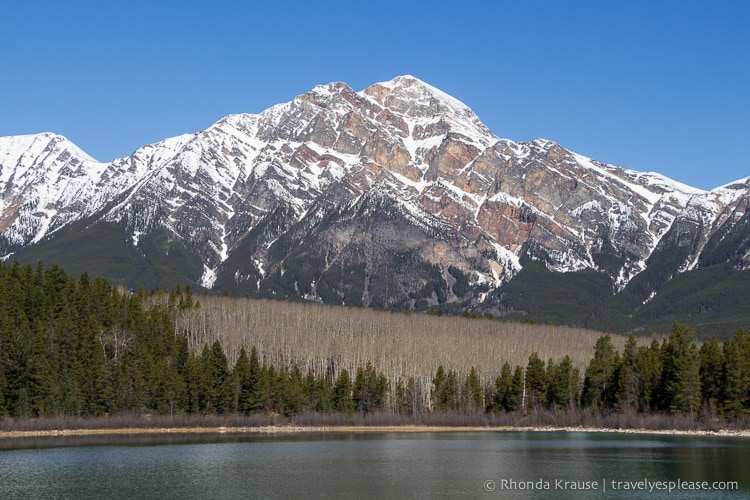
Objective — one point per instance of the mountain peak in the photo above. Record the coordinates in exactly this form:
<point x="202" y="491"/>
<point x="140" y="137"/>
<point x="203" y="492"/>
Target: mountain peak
<point x="330" y="89"/>
<point x="331" y="194"/>
<point x="412" y="84"/>
<point x="23" y="151"/>
<point x="409" y="92"/>
<point x="421" y="103"/>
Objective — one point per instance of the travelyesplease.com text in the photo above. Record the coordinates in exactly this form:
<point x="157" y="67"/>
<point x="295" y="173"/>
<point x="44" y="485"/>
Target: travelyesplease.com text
<point x="604" y="485"/>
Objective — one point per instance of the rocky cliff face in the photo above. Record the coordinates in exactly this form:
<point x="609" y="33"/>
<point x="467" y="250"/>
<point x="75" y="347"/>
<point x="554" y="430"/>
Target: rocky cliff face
<point x="395" y="196"/>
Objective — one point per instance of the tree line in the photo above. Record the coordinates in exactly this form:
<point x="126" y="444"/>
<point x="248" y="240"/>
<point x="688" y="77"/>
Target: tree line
<point x="676" y="376"/>
<point x="81" y="347"/>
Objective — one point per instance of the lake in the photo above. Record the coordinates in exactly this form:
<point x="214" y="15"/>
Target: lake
<point x="381" y="465"/>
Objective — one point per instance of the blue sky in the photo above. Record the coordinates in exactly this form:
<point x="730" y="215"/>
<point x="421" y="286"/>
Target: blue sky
<point x="650" y="85"/>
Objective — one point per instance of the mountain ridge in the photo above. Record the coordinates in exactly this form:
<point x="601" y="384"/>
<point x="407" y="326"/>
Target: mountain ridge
<point x="315" y="198"/>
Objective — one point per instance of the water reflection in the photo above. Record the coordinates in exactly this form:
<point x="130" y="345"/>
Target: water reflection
<point x="448" y="464"/>
<point x="37" y="442"/>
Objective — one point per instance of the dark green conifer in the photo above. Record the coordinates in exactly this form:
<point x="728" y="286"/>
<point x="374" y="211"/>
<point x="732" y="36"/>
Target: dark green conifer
<point x="536" y="383"/>
<point x="342" y="393"/>
<point x="597" y="383"/>
<point x="711" y="368"/>
<point x="472" y="394"/>
<point x="681" y="383"/>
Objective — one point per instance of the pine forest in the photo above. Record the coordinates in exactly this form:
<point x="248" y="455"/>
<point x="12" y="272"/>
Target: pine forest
<point x="80" y="347"/>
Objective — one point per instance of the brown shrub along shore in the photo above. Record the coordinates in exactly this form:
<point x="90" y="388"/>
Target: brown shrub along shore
<point x="574" y="421"/>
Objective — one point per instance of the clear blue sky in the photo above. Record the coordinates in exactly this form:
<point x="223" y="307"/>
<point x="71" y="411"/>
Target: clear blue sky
<point x="650" y="85"/>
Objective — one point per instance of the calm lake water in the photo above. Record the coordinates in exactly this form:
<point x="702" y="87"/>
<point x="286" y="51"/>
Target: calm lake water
<point x="387" y="465"/>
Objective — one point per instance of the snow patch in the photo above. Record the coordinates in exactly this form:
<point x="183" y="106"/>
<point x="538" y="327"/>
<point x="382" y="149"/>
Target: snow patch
<point x="208" y="278"/>
<point x="259" y="265"/>
<point x="508" y="260"/>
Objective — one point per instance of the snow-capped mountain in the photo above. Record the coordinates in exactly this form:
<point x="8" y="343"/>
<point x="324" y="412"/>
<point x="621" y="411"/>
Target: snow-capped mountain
<point x="395" y="196"/>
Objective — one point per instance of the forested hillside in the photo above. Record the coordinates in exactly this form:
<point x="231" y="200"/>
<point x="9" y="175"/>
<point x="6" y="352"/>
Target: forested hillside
<point x="81" y="347"/>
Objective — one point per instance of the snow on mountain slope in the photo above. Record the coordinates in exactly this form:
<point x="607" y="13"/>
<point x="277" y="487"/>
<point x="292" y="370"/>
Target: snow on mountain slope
<point x="495" y="201"/>
<point x="46" y="181"/>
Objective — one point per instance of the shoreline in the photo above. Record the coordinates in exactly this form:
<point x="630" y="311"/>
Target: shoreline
<point x="349" y="429"/>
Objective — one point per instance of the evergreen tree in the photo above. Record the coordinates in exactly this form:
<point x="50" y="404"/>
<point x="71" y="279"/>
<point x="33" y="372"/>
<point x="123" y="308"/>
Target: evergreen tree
<point x="440" y="400"/>
<point x="204" y="382"/>
<point x="536" y="383"/>
<point x="295" y="400"/>
<point x="279" y="389"/>
<point x="563" y="380"/>
<point x="517" y="390"/>
<point x="362" y="390"/>
<point x="649" y="368"/>
<point x="408" y="400"/>
<point x="452" y="394"/>
<point x="264" y="394"/>
<point x="380" y="391"/>
<point x="502" y="392"/>
<point x="554" y="386"/>
<point x="472" y="394"/>
<point x="194" y="381"/>
<point x="711" y="369"/>
<point x="369" y="389"/>
<point x="628" y="375"/>
<point x="318" y="392"/>
<point x="221" y="390"/>
<point x="241" y="382"/>
<point x="89" y="369"/>
<point x="342" y="393"/>
<point x="255" y="394"/>
<point x="598" y="378"/>
<point x="681" y="374"/>
<point x="32" y="372"/>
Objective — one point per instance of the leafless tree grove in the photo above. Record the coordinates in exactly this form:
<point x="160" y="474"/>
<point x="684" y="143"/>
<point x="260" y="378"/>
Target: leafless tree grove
<point x="327" y="339"/>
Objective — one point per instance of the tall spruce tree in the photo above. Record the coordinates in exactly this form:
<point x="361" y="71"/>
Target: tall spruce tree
<point x="649" y="368"/>
<point x="472" y="394"/>
<point x="711" y="369"/>
<point x="536" y="383"/>
<point x="295" y="398"/>
<point x="629" y="377"/>
<point x="342" y="393"/>
<point x="563" y="380"/>
<point x="241" y="382"/>
<point x="597" y="383"/>
<point x="681" y="373"/>
<point x="440" y="400"/>
<point x="501" y="393"/>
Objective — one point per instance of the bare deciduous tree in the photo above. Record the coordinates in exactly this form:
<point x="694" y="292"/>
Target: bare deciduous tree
<point x="325" y="340"/>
